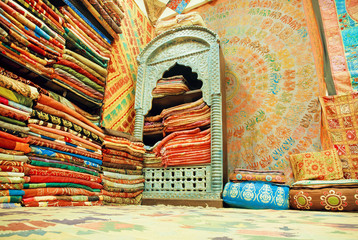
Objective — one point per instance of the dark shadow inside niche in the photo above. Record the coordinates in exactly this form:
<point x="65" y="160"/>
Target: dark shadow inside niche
<point x="190" y="76"/>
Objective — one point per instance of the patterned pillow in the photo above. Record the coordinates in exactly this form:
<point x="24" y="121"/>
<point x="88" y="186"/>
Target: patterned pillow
<point x="324" y="165"/>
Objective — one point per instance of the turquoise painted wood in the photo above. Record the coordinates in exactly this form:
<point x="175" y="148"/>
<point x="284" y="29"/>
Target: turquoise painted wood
<point x="198" y="48"/>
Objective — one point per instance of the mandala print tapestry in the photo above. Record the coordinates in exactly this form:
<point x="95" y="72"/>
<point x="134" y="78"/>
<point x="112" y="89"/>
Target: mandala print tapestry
<point x="340" y="21"/>
<point x="118" y="109"/>
<point x="272" y="85"/>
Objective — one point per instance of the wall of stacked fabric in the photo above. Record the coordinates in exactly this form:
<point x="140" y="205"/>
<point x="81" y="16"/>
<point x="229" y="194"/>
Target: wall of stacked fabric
<point x="185" y="127"/>
<point x="122" y="177"/>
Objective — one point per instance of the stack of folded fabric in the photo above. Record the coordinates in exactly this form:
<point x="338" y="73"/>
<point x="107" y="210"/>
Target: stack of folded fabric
<point x="65" y="153"/>
<point x="16" y="99"/>
<point x="111" y="11"/>
<point x="151" y="160"/>
<point x="82" y="67"/>
<point x="122" y="178"/>
<point x="186" y="116"/>
<point x="170" y="86"/>
<point x="153" y="125"/>
<point x="257" y="189"/>
<point x="31" y="34"/>
<point x="189" y="147"/>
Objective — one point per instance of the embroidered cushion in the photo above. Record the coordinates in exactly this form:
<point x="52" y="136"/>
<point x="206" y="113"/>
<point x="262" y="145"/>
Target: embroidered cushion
<point x="251" y="194"/>
<point x="333" y="195"/>
<point x="324" y="165"/>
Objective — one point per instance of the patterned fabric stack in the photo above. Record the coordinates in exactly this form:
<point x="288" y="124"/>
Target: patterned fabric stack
<point x="65" y="153"/>
<point x="153" y="125"/>
<point x="170" y="86"/>
<point x="122" y="178"/>
<point x="31" y="33"/>
<point x="82" y="67"/>
<point x="256" y="189"/>
<point x="111" y="11"/>
<point x="190" y="147"/>
<point x="16" y="100"/>
<point x="186" y="116"/>
<point x="150" y="159"/>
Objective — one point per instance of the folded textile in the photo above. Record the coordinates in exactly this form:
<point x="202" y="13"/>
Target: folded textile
<point x="57" y="184"/>
<point x="4" y="186"/>
<point x="120" y="194"/>
<point x="14" y="127"/>
<point x="55" y="179"/>
<point x="15" y="105"/>
<point x="122" y="166"/>
<point x="10" y="199"/>
<point x="12" y="180"/>
<point x="12" y="174"/>
<point x="11" y="192"/>
<point x="64" y="191"/>
<point x="14" y="145"/>
<point x="170" y="86"/>
<point x="123" y="181"/>
<point x="9" y="157"/>
<point x="74" y="198"/>
<point x="122" y="176"/>
<point x="15" y="97"/>
<point x="14" y="113"/>
<point x="10" y="205"/>
<point x="119" y="154"/>
<point x="19" y="87"/>
<point x="122" y="171"/>
<point x="12" y="152"/>
<point x="51" y="171"/>
<point x="115" y="133"/>
<point x="42" y="162"/>
<point x="105" y="16"/>
<point x="61" y="203"/>
<point x="275" y="176"/>
<point x="120" y="200"/>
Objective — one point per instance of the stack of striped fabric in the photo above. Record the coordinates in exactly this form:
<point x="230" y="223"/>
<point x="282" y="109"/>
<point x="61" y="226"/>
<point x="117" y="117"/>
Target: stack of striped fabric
<point x="65" y="154"/>
<point x="186" y="116"/>
<point x="150" y="159"/>
<point x="31" y="33"/>
<point x="153" y="125"/>
<point x="122" y="178"/>
<point x="16" y="100"/>
<point x="189" y="147"/>
<point x="170" y="86"/>
<point x="83" y="66"/>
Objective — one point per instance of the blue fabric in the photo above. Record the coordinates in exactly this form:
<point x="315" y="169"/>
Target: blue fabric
<point x="16" y="192"/>
<point x="258" y="195"/>
<point x="86" y="20"/>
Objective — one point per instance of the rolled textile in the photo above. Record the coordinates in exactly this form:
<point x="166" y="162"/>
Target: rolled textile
<point x="57" y="191"/>
<point x="62" y="203"/>
<point x="58" y="184"/>
<point x="55" y="179"/>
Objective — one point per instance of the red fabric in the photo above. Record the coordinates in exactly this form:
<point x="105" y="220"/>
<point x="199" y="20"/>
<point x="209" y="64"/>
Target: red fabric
<point x="14" y="145"/>
<point x="13" y="114"/>
<point x="120" y="154"/>
<point x="50" y="171"/>
<point x="48" y="179"/>
<point x="123" y="181"/>
<point x="54" y="191"/>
